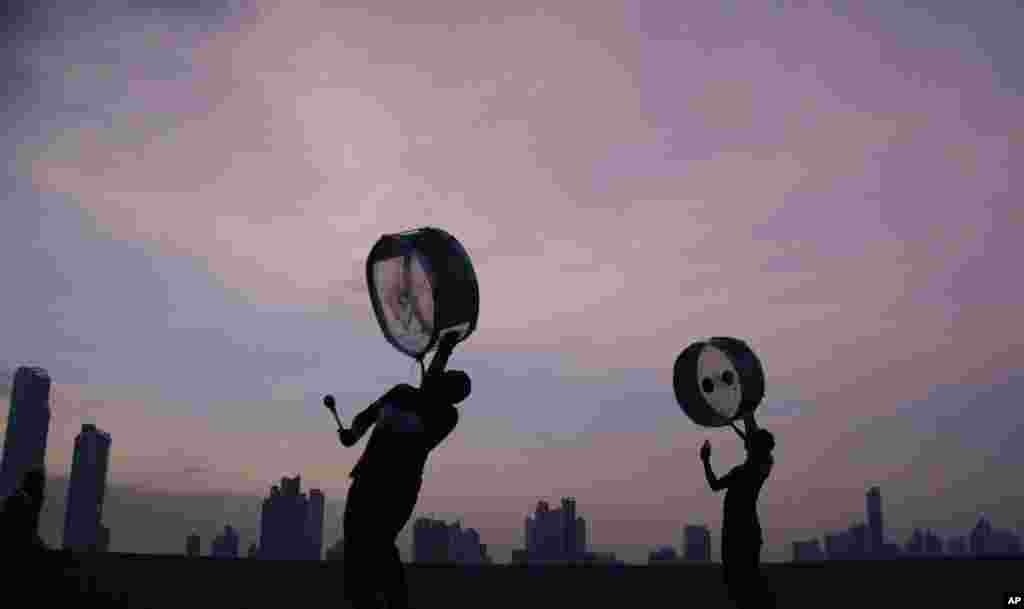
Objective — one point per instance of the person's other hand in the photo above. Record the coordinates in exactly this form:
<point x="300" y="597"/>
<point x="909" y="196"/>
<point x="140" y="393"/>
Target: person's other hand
<point x="705" y="451"/>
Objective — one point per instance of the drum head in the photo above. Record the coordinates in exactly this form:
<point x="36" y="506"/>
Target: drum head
<point x="406" y="296"/>
<point x="718" y="381"/>
<point x="422" y="285"/>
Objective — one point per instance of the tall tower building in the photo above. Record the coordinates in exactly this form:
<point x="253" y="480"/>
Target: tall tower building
<point x="530" y="538"/>
<point x="192" y="545"/>
<point x="697" y="543"/>
<point x="103" y="538"/>
<point x="568" y="528"/>
<point x="875" y="523"/>
<point x="86" y="489"/>
<point x="431" y="541"/>
<point x="315" y="524"/>
<point x="28" y="424"/>
<point x="859" y="540"/>
<point x="980" y="537"/>
<point x="287" y="522"/>
<point x="269" y="527"/>
<point x="226" y="544"/>
<point x="581" y="537"/>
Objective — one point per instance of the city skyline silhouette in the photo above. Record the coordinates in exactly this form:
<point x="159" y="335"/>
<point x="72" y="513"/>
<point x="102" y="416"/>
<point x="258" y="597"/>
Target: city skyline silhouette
<point x="277" y="539"/>
<point x="194" y="191"/>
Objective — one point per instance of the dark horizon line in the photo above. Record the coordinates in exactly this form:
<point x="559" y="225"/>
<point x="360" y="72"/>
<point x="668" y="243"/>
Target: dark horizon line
<point x="552" y="563"/>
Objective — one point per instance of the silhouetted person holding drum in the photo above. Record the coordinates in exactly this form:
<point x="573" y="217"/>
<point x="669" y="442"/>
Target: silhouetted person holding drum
<point x="741" y="529"/>
<point x="408" y="424"/>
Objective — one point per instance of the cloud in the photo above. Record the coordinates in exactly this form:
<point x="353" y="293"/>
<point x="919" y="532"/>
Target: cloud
<point x="842" y="196"/>
<point x="296" y="146"/>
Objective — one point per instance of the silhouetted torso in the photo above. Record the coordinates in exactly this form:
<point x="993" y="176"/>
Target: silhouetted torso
<point x="407" y="429"/>
<point x="745" y="485"/>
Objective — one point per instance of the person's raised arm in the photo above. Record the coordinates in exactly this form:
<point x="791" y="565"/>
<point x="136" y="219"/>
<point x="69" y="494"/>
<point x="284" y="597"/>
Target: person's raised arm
<point x="360" y="424"/>
<point x="714" y="482"/>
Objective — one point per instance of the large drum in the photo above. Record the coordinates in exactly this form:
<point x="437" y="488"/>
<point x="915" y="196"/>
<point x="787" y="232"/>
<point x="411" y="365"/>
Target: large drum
<point x="718" y="381"/>
<point x="422" y="285"/>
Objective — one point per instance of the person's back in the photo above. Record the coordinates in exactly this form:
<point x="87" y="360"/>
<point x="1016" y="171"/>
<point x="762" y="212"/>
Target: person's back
<point x="409" y="426"/>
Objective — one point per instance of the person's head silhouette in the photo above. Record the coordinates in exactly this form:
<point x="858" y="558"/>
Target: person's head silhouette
<point x="455" y="386"/>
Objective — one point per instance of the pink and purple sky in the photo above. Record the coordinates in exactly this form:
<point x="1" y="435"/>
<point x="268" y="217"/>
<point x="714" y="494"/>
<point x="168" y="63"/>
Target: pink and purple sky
<point x="192" y="197"/>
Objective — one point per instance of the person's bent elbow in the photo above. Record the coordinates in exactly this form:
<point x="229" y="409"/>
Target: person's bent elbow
<point x="347" y="437"/>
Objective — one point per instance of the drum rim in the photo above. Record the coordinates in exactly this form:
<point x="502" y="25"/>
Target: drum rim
<point x="750" y="401"/>
<point x="397" y="241"/>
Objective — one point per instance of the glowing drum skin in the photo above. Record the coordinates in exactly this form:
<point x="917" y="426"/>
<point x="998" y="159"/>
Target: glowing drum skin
<point x="718" y="381"/>
<point x="422" y="285"/>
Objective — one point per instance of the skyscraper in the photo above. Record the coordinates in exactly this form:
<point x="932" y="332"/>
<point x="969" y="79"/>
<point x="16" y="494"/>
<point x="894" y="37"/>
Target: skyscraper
<point x="1003" y="542"/>
<point x="192" y="546"/>
<point x="697" y="543"/>
<point x="663" y="554"/>
<point x="956" y="546"/>
<point x="435" y="541"/>
<point x="932" y="543"/>
<point x="86" y="489"/>
<point x="838" y="546"/>
<point x="430" y="540"/>
<point x="28" y="424"/>
<point x="581" y="536"/>
<point x="859" y="541"/>
<point x="915" y="545"/>
<point x="556" y="535"/>
<point x="980" y="536"/>
<point x="569" y="527"/>
<point x="286" y="521"/>
<point x="875" y="522"/>
<point x="315" y="524"/>
<point x="103" y="539"/>
<point x="225" y="545"/>
<point x="807" y="551"/>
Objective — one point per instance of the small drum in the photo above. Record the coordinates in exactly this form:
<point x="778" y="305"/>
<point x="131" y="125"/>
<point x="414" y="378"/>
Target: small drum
<point x="718" y="381"/>
<point x="422" y="285"/>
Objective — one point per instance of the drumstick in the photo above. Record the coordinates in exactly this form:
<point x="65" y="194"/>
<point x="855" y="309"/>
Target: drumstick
<point x="329" y="403"/>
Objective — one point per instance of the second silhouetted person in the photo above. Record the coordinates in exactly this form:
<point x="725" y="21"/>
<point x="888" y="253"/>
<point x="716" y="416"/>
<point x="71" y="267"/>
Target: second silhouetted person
<point x="741" y="528"/>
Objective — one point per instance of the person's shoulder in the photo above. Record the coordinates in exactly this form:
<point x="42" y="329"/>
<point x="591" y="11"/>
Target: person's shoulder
<point x="401" y="392"/>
